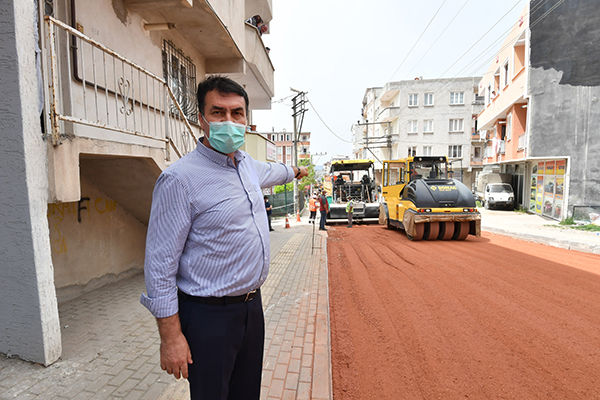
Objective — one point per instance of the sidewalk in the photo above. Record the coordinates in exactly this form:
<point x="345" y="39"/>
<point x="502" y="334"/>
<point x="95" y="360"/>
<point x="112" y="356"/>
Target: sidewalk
<point x="535" y="228"/>
<point x="111" y="344"/>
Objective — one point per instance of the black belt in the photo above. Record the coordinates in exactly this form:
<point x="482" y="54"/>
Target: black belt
<point x="220" y="301"/>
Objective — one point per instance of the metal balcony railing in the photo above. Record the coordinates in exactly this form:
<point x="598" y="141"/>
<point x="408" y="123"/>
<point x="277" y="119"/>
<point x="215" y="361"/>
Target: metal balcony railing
<point x="108" y="91"/>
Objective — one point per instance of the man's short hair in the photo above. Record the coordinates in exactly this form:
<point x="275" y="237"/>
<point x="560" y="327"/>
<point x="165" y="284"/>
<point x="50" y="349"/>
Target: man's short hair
<point x="221" y="84"/>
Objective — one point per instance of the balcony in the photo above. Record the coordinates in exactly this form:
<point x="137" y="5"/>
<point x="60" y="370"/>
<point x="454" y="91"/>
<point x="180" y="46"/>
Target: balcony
<point x="110" y="120"/>
<point x="479" y="100"/>
<point x="258" y="71"/>
<point x="389" y="114"/>
<point x="264" y="8"/>
<point x="211" y="29"/>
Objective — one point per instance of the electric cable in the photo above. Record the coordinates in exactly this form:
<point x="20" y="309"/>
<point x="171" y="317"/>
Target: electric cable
<point x="440" y="35"/>
<point x="327" y="126"/>
<point x="414" y="45"/>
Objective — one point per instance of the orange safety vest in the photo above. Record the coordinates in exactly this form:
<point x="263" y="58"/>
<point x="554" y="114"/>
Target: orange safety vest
<point x="312" y="205"/>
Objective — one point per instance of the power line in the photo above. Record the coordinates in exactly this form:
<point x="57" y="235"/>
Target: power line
<point x="414" y="45"/>
<point x="489" y="30"/>
<point x="327" y="126"/>
<point x="440" y="35"/>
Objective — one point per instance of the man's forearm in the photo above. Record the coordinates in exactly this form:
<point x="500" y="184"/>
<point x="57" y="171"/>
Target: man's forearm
<point x="169" y="326"/>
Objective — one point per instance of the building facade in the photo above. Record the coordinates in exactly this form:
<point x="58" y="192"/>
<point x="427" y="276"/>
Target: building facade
<point x="285" y="146"/>
<point x="98" y="98"/>
<point x="420" y="117"/>
<point x="541" y="121"/>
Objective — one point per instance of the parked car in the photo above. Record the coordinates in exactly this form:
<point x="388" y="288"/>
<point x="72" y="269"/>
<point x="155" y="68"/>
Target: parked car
<point x="499" y="195"/>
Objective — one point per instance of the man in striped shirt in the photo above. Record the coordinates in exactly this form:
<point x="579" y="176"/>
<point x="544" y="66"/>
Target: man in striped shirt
<point x="207" y="252"/>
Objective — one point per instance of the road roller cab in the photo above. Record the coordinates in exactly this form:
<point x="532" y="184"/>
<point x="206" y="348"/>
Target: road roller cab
<point x="420" y="199"/>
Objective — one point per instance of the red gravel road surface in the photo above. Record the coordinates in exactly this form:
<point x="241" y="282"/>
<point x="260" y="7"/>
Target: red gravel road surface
<point x="485" y="318"/>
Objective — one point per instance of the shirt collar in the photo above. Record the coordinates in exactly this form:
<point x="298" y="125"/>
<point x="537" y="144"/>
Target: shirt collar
<point x="215" y="156"/>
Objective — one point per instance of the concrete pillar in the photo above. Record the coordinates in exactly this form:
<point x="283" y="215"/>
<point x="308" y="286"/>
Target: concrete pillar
<point x="29" y="324"/>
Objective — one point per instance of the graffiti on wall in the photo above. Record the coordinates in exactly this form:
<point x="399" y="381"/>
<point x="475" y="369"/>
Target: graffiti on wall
<point x="81" y="211"/>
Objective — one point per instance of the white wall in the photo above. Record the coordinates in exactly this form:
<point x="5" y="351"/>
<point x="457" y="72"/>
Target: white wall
<point x="105" y="245"/>
<point x="29" y="325"/>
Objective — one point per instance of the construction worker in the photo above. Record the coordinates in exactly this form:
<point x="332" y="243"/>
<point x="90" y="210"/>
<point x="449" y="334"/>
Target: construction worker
<point x="313" y="206"/>
<point x="350" y="210"/>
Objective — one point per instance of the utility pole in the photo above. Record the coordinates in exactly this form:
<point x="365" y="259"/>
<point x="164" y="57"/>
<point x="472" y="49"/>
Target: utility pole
<point x="298" y="109"/>
<point x="314" y="163"/>
<point x="376" y="140"/>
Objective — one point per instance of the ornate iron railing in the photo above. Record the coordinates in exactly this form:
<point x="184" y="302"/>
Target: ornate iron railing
<point x="108" y="91"/>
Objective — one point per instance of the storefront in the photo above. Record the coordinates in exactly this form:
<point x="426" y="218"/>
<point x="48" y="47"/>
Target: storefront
<point x="547" y="190"/>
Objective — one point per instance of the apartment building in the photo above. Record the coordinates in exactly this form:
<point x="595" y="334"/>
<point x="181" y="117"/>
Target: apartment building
<point x="98" y="97"/>
<point x="420" y="117"/>
<point x="541" y="120"/>
<point x="284" y="142"/>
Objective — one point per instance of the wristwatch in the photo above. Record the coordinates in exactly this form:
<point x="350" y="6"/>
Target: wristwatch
<point x="298" y="173"/>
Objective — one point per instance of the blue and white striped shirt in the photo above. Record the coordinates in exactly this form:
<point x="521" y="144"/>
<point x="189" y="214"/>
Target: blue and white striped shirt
<point x="208" y="233"/>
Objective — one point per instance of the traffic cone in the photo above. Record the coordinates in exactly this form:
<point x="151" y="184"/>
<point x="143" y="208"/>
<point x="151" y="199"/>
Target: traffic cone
<point x="298" y="217"/>
<point x="287" y="223"/>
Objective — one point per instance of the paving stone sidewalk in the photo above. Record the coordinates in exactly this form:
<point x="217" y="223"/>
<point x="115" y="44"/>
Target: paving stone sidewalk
<point x="111" y="344"/>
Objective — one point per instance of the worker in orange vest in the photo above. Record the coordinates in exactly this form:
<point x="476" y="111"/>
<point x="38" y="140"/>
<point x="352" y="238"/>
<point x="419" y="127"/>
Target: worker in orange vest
<point x="313" y="206"/>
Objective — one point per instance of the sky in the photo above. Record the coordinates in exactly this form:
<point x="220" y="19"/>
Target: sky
<point x="335" y="49"/>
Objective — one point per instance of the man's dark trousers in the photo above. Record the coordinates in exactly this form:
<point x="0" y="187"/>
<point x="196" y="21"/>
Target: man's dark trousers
<point x="323" y="219"/>
<point x="227" y="343"/>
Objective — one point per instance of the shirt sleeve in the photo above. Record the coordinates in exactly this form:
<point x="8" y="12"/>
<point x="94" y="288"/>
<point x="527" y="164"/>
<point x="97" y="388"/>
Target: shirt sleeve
<point x="168" y="229"/>
<point x="272" y="174"/>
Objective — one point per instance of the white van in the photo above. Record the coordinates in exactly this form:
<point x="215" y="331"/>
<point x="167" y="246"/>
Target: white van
<point x="499" y="195"/>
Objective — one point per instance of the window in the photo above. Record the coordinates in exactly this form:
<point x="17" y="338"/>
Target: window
<point x="457" y="98"/>
<point x="508" y="127"/>
<point x="456" y="125"/>
<point x="281" y="138"/>
<point x="428" y="99"/>
<point x="519" y="58"/>
<point x="412" y="151"/>
<point x="279" y="150"/>
<point x="413" y="126"/>
<point x="413" y="100"/>
<point x="489" y="96"/>
<point x="505" y="73"/>
<point x="427" y="150"/>
<point x="497" y="81"/>
<point x="288" y="137"/>
<point x="288" y="151"/>
<point x="428" y="126"/>
<point x="180" y="74"/>
<point x="477" y="153"/>
<point x="455" y="151"/>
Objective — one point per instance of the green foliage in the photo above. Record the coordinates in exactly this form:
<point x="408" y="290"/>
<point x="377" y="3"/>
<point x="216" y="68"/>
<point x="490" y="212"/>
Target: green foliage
<point x="304" y="182"/>
<point x="282" y="188"/>
<point x="568" y="221"/>
<point x="588" y="227"/>
<point x="310" y="179"/>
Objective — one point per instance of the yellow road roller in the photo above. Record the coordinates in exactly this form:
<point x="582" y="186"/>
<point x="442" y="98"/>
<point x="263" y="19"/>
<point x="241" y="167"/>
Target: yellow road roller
<point x="421" y="199"/>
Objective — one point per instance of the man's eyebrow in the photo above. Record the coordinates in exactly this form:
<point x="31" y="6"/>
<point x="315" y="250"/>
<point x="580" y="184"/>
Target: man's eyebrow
<point x="218" y="108"/>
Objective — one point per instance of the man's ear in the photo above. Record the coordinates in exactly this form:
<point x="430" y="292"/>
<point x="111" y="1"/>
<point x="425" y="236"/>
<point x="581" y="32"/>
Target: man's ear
<point x="203" y="125"/>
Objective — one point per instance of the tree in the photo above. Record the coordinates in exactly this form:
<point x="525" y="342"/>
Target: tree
<point x="281" y="188"/>
<point x="304" y="182"/>
<point x="310" y="179"/>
